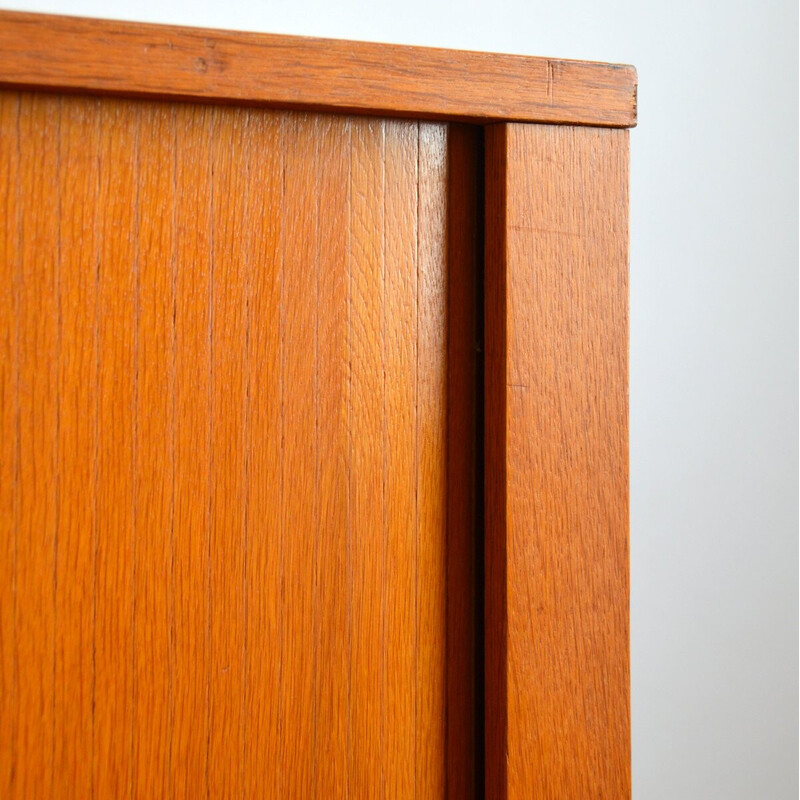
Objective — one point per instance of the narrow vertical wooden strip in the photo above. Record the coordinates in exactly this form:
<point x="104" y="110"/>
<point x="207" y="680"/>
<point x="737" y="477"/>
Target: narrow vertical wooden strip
<point x="432" y="466"/>
<point x="10" y="276"/>
<point x="264" y="153"/>
<point x="331" y="677"/>
<point x="562" y="193"/>
<point x="229" y="410"/>
<point x="366" y="458"/>
<point x="154" y="459"/>
<point x="301" y="169"/>
<point x="117" y="307"/>
<point x="38" y="372"/>
<point x="464" y="227"/>
<point x="78" y="191"/>
<point x="192" y="364"/>
<point x="495" y="347"/>
<point x="399" y="357"/>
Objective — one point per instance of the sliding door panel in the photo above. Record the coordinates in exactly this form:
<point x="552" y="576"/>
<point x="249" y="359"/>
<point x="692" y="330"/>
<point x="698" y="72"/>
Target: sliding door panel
<point x="225" y="437"/>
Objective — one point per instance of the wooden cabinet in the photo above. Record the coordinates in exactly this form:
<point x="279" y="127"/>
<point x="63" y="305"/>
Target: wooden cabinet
<point x="313" y="395"/>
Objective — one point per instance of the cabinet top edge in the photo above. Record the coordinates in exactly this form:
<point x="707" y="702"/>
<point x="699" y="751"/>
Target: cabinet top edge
<point x="78" y="54"/>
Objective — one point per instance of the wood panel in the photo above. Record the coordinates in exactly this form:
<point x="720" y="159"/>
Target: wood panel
<point x="225" y="429"/>
<point x="290" y="71"/>
<point x="558" y="711"/>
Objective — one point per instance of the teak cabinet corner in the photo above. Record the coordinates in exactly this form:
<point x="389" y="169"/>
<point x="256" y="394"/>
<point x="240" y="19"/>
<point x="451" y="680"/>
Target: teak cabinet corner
<point x="313" y="418"/>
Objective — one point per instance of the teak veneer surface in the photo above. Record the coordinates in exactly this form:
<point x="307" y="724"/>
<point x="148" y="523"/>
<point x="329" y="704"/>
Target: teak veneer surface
<point x="101" y="56"/>
<point x="240" y="418"/>
<point x="557" y="586"/>
<point x="226" y="522"/>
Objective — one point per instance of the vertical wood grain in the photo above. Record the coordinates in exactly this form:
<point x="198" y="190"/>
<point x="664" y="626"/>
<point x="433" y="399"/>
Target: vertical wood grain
<point x="431" y="459"/>
<point x="331" y="678"/>
<point x="78" y="190"/>
<point x="38" y="417"/>
<point x="225" y="454"/>
<point x="155" y="253"/>
<point x="10" y="276"/>
<point x="229" y="410"/>
<point x="192" y="447"/>
<point x="261" y="758"/>
<point x="116" y="452"/>
<point x="366" y="577"/>
<point x="557" y="427"/>
<point x="300" y="211"/>
<point x="400" y="406"/>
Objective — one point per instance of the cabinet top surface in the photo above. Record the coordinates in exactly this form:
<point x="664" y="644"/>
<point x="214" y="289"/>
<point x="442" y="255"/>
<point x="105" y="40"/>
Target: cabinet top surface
<point x="76" y="54"/>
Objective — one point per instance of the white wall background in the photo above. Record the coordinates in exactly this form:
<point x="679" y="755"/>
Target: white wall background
<point x="714" y="346"/>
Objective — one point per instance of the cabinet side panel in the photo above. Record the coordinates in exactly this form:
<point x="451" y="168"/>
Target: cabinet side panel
<point x="565" y="526"/>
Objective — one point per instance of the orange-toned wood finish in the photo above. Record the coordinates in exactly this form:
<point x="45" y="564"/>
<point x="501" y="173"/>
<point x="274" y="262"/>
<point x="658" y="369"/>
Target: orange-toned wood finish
<point x="231" y="485"/>
<point x="557" y="677"/>
<point x="68" y="53"/>
<point x="242" y="412"/>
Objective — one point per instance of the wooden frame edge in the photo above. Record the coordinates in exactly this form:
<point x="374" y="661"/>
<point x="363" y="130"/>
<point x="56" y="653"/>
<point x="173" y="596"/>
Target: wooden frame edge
<point x="60" y="53"/>
<point x="556" y="466"/>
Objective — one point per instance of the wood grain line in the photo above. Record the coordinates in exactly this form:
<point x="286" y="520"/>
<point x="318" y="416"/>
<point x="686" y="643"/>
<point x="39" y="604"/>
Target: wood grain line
<point x="432" y="469"/>
<point x="228" y="411"/>
<point x="37" y="521"/>
<point x="10" y="283"/>
<point x="192" y="449"/>
<point x="264" y="155"/>
<point x="400" y="386"/>
<point x="332" y="656"/>
<point x="154" y="461"/>
<point x="78" y="188"/>
<point x="300" y="500"/>
<point x="116" y="457"/>
<point x="367" y="741"/>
